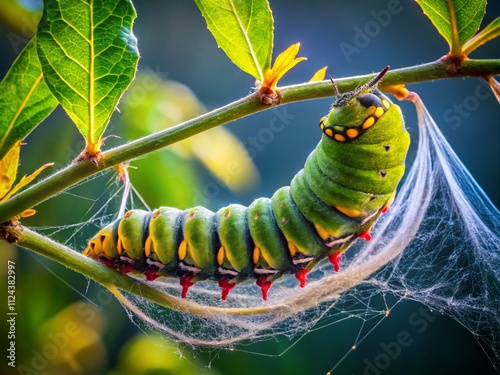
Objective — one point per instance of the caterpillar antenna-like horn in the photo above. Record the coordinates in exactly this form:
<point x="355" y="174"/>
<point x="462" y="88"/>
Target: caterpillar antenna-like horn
<point x="378" y="78"/>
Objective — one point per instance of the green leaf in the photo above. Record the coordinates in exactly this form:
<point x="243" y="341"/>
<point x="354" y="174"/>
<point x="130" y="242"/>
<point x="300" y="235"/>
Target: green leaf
<point x="490" y="32"/>
<point x="244" y="30"/>
<point x="456" y="20"/>
<point x="25" y="99"/>
<point x="89" y="57"/>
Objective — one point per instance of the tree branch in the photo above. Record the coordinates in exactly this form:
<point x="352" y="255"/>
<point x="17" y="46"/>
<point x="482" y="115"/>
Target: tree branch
<point x="78" y="171"/>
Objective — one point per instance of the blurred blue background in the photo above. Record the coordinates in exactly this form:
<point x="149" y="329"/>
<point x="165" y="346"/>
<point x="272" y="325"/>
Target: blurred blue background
<point x="175" y="44"/>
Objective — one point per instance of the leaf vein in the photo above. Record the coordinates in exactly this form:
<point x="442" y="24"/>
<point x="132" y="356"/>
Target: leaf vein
<point x="21" y="108"/>
<point x="75" y="29"/>
<point x="249" y="43"/>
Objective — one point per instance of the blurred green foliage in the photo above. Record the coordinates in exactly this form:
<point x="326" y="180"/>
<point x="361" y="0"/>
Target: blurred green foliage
<point x="153" y="104"/>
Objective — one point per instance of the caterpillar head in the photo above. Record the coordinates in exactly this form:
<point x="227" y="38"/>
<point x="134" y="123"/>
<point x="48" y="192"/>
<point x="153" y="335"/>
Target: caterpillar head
<point x="356" y="111"/>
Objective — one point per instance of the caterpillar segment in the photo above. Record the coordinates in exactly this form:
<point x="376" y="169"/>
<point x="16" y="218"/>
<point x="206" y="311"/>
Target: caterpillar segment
<point x="347" y="182"/>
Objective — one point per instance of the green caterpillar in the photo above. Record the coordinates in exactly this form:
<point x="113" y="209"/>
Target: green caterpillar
<point x="347" y="182"/>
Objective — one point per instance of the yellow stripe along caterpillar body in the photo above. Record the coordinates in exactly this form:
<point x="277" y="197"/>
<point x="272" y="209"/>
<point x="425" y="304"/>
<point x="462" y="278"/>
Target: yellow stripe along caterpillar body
<point x="347" y="182"/>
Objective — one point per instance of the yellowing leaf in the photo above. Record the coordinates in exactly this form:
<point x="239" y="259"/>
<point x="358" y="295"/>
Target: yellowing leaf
<point x="25" y="181"/>
<point x="8" y="168"/>
<point x="285" y="61"/>
<point x="168" y="103"/>
<point x="8" y="174"/>
<point x="319" y="75"/>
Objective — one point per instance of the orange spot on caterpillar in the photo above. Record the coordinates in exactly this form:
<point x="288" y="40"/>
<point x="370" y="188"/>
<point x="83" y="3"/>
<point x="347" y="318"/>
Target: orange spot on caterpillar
<point x="127" y="215"/>
<point x="227" y="213"/>
<point x="352" y="133"/>
<point x="186" y="283"/>
<point x="226" y="286"/>
<point x="371" y="110"/>
<point x="147" y="246"/>
<point x="264" y="285"/>
<point x="256" y="255"/>
<point x="220" y="256"/>
<point x="90" y="250"/>
<point x="339" y="137"/>
<point x="322" y="232"/>
<point x="350" y="212"/>
<point x="119" y="246"/>
<point x="182" y="251"/>
<point x="379" y="112"/>
<point x="302" y="277"/>
<point x="192" y="215"/>
<point x="292" y="249"/>
<point x="368" y="122"/>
